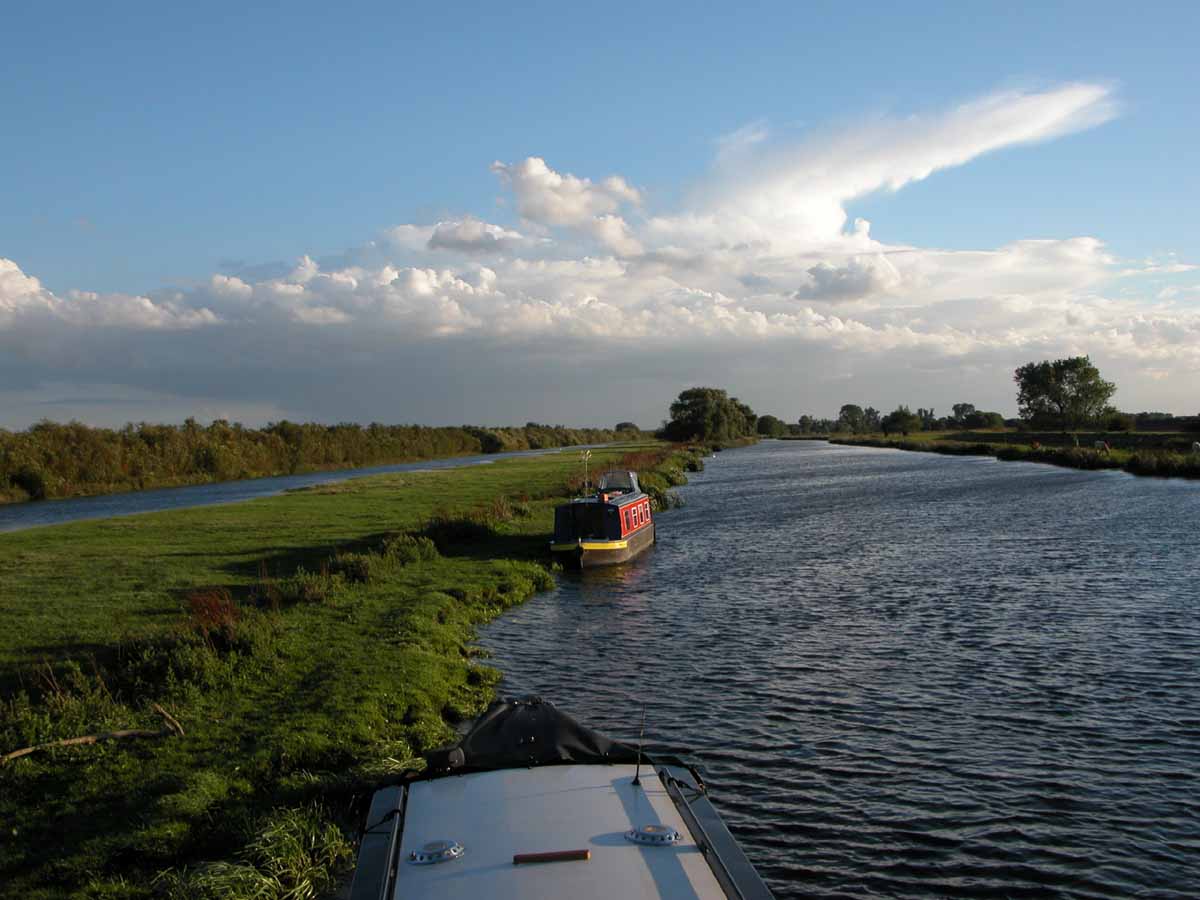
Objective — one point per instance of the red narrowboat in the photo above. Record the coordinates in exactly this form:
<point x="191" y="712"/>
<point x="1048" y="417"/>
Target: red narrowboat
<point x="611" y="527"/>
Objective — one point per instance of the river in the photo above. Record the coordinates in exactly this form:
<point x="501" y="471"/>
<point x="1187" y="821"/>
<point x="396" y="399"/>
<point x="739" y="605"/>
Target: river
<point x="907" y="675"/>
<point x="18" y="516"/>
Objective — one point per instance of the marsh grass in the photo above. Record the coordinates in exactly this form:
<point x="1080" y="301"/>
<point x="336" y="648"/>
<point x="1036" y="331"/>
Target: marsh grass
<point x="1138" y="460"/>
<point x="294" y="854"/>
<point x="308" y="643"/>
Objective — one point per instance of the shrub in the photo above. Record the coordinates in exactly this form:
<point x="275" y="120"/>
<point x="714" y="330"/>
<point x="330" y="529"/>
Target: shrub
<point x="310" y="587"/>
<point x="500" y="510"/>
<point x="1164" y="464"/>
<point x="406" y="549"/>
<point x="356" y="568"/>
<point x="213" y="614"/>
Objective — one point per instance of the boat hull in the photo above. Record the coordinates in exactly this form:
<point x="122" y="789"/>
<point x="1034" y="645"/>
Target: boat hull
<point x="590" y="554"/>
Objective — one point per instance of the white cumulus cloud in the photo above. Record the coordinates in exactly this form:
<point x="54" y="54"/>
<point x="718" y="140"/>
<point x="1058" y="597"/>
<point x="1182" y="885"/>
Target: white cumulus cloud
<point x="758" y="272"/>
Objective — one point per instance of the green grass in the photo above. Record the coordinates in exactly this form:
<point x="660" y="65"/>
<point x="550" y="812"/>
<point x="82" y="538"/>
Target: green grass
<point x="308" y="644"/>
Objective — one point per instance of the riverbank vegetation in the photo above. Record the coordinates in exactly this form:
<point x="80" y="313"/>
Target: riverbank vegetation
<point x="1165" y="455"/>
<point x="307" y="646"/>
<point x="50" y="460"/>
<point x="1066" y="395"/>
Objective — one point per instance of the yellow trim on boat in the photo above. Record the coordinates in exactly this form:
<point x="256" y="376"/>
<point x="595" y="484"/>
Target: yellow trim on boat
<point x="592" y="545"/>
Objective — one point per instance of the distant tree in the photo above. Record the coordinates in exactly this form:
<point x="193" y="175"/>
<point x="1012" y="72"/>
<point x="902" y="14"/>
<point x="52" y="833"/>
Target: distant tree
<point x="1069" y="392"/>
<point x="963" y="411"/>
<point x="626" y="426"/>
<point x="770" y="426"/>
<point x="851" y="418"/>
<point x="805" y="424"/>
<point x="871" y="419"/>
<point x="708" y="414"/>
<point x="901" y="419"/>
<point x="1115" y="420"/>
<point x="928" y="418"/>
<point x="983" y="420"/>
<point x="749" y="418"/>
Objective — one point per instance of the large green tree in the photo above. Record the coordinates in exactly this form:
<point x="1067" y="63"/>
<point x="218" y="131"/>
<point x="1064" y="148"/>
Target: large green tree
<point x="708" y="414"/>
<point x="851" y="418"/>
<point x="1069" y="392"/>
<point x="901" y="419"/>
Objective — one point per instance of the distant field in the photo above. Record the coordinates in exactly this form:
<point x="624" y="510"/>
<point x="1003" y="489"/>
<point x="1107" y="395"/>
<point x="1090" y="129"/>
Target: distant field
<point x="307" y="643"/>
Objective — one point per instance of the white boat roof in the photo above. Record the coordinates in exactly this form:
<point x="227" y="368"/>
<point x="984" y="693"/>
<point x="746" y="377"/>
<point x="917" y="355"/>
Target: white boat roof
<point x="495" y="815"/>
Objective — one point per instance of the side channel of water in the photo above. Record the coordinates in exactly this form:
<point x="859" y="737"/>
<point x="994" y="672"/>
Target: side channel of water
<point x="18" y="516"/>
<point x="907" y="675"/>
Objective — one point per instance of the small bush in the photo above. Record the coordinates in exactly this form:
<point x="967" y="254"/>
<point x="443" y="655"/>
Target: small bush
<point x="500" y="510"/>
<point x="1164" y="464"/>
<point x="213" y="614"/>
<point x="356" y="568"/>
<point x="310" y="587"/>
<point x="406" y="549"/>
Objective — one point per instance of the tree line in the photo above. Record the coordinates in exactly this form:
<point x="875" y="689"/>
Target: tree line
<point x="56" y="460"/>
<point x="1067" y="394"/>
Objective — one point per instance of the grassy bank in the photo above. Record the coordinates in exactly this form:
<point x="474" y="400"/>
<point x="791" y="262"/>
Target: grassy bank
<point x="50" y="460"/>
<point x="306" y="644"/>
<point x="1163" y="455"/>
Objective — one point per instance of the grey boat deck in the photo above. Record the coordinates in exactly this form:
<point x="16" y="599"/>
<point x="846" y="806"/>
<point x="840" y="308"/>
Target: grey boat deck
<point x="495" y="815"/>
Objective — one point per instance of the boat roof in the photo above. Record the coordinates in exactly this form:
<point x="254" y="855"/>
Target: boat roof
<point x="529" y="779"/>
<point x="496" y="815"/>
<point x="613" y="500"/>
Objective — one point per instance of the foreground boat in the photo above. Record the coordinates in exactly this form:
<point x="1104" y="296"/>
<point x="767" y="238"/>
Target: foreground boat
<point x="613" y="526"/>
<point x="532" y="804"/>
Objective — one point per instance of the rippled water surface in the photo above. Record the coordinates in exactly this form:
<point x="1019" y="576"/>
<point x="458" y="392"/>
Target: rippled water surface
<point x="906" y="674"/>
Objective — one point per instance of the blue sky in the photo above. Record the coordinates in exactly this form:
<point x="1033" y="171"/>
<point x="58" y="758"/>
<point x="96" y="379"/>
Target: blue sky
<point x="148" y="147"/>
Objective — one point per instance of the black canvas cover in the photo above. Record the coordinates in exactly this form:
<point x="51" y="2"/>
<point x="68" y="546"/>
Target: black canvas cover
<point x="524" y="732"/>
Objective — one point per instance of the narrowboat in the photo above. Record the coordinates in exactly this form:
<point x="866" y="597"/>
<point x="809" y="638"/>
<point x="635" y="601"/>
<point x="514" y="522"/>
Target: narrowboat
<point x="612" y="526"/>
<point x="532" y="804"/>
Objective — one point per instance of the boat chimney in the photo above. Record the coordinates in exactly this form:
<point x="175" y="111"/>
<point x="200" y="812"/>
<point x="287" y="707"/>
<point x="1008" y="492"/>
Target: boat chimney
<point x="637" y="772"/>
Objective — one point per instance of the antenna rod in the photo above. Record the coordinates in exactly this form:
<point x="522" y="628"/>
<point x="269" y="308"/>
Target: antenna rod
<point x="637" y="772"/>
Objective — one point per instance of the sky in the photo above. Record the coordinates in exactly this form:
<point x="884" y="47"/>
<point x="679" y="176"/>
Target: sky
<point x="563" y="213"/>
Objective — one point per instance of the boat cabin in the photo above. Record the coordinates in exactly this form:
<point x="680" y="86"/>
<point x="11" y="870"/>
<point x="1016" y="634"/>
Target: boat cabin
<point x="612" y="526"/>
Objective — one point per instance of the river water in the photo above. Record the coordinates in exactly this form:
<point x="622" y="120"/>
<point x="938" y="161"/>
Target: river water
<point x="907" y="675"/>
<point x="18" y="516"/>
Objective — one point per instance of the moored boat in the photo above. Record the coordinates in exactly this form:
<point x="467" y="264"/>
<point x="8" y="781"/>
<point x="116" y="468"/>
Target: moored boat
<point x="532" y="804"/>
<point x="612" y="526"/>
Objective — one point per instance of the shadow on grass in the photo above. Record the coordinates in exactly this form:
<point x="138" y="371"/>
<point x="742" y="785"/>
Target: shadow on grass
<point x="283" y="562"/>
<point x="525" y="547"/>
